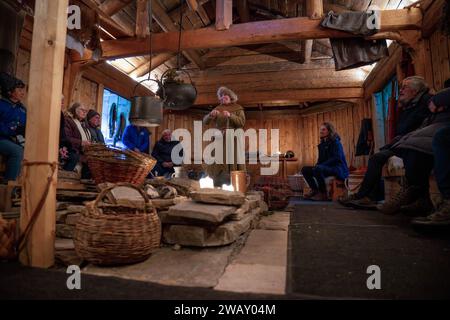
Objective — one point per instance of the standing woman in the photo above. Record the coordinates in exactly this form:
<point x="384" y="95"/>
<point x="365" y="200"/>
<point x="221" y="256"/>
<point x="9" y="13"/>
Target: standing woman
<point x="228" y="115"/>
<point x="331" y="162"/>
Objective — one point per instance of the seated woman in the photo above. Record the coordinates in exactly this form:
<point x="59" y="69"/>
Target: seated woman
<point x="162" y="152"/>
<point x="12" y="124"/>
<point x="77" y="133"/>
<point x="331" y="162"/>
<point x="136" y="138"/>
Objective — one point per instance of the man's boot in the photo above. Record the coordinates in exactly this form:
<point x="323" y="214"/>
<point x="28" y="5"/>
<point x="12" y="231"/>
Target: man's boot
<point x="347" y="198"/>
<point x="402" y="198"/>
<point x="422" y="207"/>
<point x="364" y="203"/>
<point x="441" y="217"/>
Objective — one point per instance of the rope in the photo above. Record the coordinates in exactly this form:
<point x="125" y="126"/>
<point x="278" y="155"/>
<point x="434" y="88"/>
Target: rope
<point x="23" y="238"/>
<point x="179" y="36"/>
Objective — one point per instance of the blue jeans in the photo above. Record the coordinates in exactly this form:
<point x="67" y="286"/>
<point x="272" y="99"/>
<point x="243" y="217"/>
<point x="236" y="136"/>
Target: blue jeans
<point x="14" y="155"/>
<point x="441" y="149"/>
<point x="315" y="176"/>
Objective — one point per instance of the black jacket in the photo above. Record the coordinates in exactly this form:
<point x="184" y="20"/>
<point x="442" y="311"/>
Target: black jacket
<point x="331" y="154"/>
<point x="162" y="151"/>
<point x="412" y="116"/>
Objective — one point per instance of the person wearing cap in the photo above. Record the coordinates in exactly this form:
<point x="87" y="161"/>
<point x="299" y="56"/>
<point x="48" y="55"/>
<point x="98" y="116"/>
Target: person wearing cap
<point x="228" y="115"/>
<point x="162" y="152"/>
<point x="416" y="150"/>
<point x="12" y="124"/>
<point x="94" y="122"/>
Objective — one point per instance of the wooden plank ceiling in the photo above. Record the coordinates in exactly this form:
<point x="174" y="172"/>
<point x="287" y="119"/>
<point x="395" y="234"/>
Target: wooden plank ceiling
<point x="263" y="75"/>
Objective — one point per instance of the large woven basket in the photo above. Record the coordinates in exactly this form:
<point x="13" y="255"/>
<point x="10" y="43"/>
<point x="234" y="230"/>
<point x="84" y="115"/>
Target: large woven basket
<point x="114" y="165"/>
<point x="116" y="234"/>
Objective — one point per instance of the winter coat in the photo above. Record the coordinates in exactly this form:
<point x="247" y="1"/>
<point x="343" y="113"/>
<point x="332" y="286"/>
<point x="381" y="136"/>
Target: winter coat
<point x="12" y="119"/>
<point x="162" y="151"/>
<point x="96" y="134"/>
<point x="412" y="115"/>
<point x="421" y="139"/>
<point x="331" y="154"/>
<point x="73" y="134"/>
<point x="134" y="138"/>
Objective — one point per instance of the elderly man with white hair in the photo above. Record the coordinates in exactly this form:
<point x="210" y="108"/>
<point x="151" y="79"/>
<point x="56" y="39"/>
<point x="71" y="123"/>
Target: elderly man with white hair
<point x="162" y="152"/>
<point x="413" y="104"/>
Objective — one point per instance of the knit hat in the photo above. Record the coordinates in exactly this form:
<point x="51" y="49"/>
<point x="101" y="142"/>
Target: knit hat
<point x="442" y="98"/>
<point x="92" y="113"/>
<point x="8" y="83"/>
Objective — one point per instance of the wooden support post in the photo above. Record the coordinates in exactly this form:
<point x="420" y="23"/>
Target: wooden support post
<point x="314" y="10"/>
<point x="142" y="19"/>
<point x="99" y="104"/>
<point x="44" y="100"/>
<point x="243" y="10"/>
<point x="224" y="14"/>
<point x="193" y="5"/>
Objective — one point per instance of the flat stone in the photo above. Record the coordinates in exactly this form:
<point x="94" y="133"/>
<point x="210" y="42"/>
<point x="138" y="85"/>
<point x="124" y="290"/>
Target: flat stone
<point x="186" y="267"/>
<point x="184" y="186"/>
<point x="75" y="209"/>
<point x="62" y="205"/>
<point x="263" y="205"/>
<point x="265" y="247"/>
<point x="164" y="204"/>
<point x="65" y="231"/>
<point x="241" y="211"/>
<point x="253" y="203"/>
<point x="151" y="191"/>
<point x="72" y="219"/>
<point x="68" y="258"/>
<point x="61" y="216"/>
<point x="205" y="237"/>
<point x="217" y="196"/>
<point x="276" y="221"/>
<point x="255" y="195"/>
<point x="199" y="211"/>
<point x="254" y="278"/>
<point x="64" y="244"/>
<point x="167" y="192"/>
<point x="166" y="219"/>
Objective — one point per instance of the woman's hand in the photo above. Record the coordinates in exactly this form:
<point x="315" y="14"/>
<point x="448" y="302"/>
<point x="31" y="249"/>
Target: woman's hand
<point x="226" y="114"/>
<point x="64" y="153"/>
<point x="213" y="114"/>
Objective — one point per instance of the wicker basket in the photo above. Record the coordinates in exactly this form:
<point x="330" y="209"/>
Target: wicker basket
<point x="114" y="234"/>
<point x="114" y="165"/>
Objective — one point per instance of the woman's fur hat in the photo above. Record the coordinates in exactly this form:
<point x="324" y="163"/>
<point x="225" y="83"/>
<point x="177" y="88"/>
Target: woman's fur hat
<point x="224" y="90"/>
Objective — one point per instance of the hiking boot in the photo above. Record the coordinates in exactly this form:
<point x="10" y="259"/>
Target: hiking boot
<point x="320" y="196"/>
<point x="441" y="217"/>
<point x="422" y="207"/>
<point x="402" y="198"/>
<point x="364" y="203"/>
<point x="346" y="198"/>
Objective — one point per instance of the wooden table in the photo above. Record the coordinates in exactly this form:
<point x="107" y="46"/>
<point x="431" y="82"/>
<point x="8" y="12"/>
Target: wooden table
<point x="283" y="163"/>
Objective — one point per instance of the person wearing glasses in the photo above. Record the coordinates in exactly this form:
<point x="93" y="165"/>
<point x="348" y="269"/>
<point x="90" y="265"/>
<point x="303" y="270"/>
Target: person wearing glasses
<point x="78" y="134"/>
<point x="413" y="104"/>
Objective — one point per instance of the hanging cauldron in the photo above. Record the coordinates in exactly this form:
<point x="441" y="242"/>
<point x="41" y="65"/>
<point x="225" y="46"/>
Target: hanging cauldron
<point x="147" y="111"/>
<point x="178" y="96"/>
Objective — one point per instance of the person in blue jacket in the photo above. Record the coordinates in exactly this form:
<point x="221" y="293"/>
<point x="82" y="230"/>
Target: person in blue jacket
<point x="12" y="124"/>
<point x="136" y="138"/>
<point x="331" y="162"/>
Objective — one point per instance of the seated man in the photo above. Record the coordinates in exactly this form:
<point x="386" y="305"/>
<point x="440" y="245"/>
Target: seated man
<point x="94" y="123"/>
<point x="414" y="98"/>
<point x="13" y="116"/>
<point x="331" y="162"/>
<point x="162" y="152"/>
<point x="136" y="138"/>
<point x="441" y="149"/>
<point x="416" y="151"/>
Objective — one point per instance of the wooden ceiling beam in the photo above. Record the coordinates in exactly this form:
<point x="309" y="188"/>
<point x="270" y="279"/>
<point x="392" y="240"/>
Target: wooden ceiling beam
<point x="432" y="18"/>
<point x="288" y="96"/>
<point x="224" y="14"/>
<point x="111" y="7"/>
<point x="253" y="33"/>
<point x="168" y="25"/>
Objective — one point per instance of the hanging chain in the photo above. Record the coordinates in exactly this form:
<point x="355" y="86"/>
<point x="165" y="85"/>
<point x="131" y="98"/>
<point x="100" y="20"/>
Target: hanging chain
<point x="179" y="36"/>
<point x="150" y="24"/>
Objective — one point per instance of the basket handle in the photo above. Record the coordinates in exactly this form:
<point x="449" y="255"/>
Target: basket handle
<point x="103" y="193"/>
